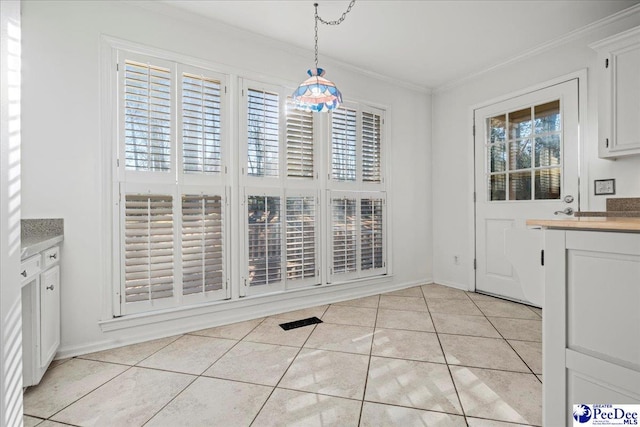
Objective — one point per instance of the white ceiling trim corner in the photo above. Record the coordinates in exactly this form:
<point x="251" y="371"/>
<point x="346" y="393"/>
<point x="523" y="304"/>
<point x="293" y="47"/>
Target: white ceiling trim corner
<point x="544" y="47"/>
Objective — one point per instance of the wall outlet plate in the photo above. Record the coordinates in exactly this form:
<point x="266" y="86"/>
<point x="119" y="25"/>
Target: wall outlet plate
<point x="604" y="186"/>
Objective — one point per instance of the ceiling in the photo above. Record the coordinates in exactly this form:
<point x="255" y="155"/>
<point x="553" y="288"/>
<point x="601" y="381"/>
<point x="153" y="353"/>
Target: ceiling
<point x="424" y="43"/>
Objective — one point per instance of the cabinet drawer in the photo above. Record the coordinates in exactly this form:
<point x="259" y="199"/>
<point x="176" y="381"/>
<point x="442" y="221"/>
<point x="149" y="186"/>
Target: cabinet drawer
<point x="29" y="268"/>
<point x="51" y="256"/>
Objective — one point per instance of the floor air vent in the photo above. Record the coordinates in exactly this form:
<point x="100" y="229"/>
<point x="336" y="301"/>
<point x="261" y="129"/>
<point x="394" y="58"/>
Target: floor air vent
<point x="300" y="323"/>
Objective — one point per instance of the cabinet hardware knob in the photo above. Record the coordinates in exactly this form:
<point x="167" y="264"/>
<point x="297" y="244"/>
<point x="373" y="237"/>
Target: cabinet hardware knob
<point x="53" y="256"/>
<point x="50" y="287"/>
<point x="24" y="273"/>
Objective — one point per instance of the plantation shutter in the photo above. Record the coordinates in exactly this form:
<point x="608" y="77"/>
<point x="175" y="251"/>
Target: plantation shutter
<point x="264" y="240"/>
<point x="202" y="244"/>
<point x="299" y="142"/>
<point x="263" y="133"/>
<point x="343" y="216"/>
<point x="147" y="117"/>
<point x="148" y="247"/>
<point x="371" y="234"/>
<point x="301" y="237"/>
<point x="371" y="136"/>
<point x="201" y="124"/>
<point x="343" y="144"/>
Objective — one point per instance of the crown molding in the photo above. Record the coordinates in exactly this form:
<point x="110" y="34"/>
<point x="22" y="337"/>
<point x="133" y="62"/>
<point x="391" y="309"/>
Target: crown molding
<point x="205" y="22"/>
<point x="569" y="37"/>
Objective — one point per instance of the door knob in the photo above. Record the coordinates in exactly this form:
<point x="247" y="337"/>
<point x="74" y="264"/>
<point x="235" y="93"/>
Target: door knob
<point x="567" y="211"/>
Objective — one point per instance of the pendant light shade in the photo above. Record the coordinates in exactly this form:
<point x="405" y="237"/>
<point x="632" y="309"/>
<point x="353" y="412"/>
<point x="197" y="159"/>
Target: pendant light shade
<point x="317" y="94"/>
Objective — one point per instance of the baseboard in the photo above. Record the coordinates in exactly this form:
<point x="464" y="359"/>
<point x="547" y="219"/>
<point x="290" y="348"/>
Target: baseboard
<point x="460" y="286"/>
<point x="121" y="332"/>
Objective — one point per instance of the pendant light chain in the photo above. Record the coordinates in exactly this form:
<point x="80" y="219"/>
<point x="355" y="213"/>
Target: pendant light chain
<point x="336" y="22"/>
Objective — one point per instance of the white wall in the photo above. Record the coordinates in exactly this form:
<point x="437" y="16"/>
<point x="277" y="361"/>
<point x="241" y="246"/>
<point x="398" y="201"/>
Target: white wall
<point x="10" y="304"/>
<point x="452" y="144"/>
<point x="63" y="159"/>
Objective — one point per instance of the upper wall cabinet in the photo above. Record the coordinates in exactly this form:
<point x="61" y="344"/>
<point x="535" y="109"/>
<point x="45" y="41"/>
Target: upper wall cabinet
<point x="619" y="94"/>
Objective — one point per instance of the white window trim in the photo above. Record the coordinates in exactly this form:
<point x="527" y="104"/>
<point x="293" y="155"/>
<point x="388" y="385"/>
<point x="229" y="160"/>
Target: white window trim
<point x="234" y="181"/>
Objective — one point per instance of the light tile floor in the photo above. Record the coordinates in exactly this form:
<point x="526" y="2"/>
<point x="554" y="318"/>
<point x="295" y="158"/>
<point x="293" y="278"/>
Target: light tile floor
<point x="428" y="355"/>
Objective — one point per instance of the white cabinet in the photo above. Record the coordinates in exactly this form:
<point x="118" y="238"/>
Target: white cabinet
<point x="619" y="94"/>
<point x="591" y="322"/>
<point x="49" y="315"/>
<point x="40" y="276"/>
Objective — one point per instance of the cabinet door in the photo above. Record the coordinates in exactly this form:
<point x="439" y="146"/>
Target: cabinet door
<point x="626" y="99"/>
<point x="49" y="315"/>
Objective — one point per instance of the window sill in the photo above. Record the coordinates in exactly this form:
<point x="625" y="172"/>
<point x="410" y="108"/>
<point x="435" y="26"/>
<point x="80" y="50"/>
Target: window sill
<point x="255" y="306"/>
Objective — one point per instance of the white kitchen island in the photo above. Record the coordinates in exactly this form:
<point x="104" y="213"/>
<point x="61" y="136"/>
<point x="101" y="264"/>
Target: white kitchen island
<point x="591" y="318"/>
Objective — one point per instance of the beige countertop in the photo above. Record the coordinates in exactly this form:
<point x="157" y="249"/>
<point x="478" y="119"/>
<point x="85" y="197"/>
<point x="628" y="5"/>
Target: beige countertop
<point x="631" y="225"/>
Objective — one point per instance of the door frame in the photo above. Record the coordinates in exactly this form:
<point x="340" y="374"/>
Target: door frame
<point x="583" y="172"/>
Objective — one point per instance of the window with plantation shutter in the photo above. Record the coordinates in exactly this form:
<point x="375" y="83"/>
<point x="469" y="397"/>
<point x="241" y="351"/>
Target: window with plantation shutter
<point x="148" y="247"/>
<point x="169" y="224"/>
<point x="343" y="144"/>
<point x="202" y="244"/>
<point x="343" y="216"/>
<point x="263" y="133"/>
<point x="201" y="124"/>
<point x="264" y="240"/>
<point x="299" y="141"/>
<point x="301" y="237"/>
<point x="146" y="95"/>
<point x="371" y="234"/>
<point x="371" y="135"/>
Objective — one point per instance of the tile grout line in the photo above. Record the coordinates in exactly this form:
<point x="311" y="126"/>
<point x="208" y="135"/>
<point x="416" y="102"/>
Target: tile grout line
<point x="366" y="378"/>
<point x="464" y="415"/>
<point x="184" y="373"/>
<point x="288" y="367"/>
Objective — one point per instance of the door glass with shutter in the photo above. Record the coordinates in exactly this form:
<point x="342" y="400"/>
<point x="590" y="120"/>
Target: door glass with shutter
<point x="202" y="245"/>
<point x="299" y="142"/>
<point x="201" y="124"/>
<point x="263" y="133"/>
<point x="264" y="242"/>
<point x="147" y="117"/>
<point x="343" y="144"/>
<point x="148" y="251"/>
<point x="371" y="234"/>
<point x="371" y="147"/>
<point x="344" y="235"/>
<point x="301" y="241"/>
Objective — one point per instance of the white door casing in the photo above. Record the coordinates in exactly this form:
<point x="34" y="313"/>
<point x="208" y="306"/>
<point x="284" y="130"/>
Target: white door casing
<point x="526" y="166"/>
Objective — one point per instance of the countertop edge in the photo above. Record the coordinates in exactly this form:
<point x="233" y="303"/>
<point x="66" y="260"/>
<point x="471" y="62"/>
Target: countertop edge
<point x="619" y="224"/>
<point x="37" y="247"/>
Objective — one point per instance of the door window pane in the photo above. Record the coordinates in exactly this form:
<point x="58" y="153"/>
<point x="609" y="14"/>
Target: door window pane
<point x="520" y="186"/>
<point x="520" y="154"/>
<point x="548" y="184"/>
<point x="547" y="117"/>
<point x="497" y="128"/>
<point x="497" y="158"/>
<point x="520" y="124"/>
<point x="497" y="187"/>
<point x="548" y="150"/>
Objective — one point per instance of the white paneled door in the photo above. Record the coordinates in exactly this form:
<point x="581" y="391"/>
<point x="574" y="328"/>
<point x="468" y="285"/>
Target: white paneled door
<point x="526" y="166"/>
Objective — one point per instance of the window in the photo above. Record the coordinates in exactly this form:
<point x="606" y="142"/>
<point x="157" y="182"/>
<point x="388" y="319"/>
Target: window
<point x="170" y="178"/>
<point x="357" y="240"/>
<point x="304" y="193"/>
<point x="358" y="197"/>
<point x="523" y="153"/>
<point x="282" y="243"/>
